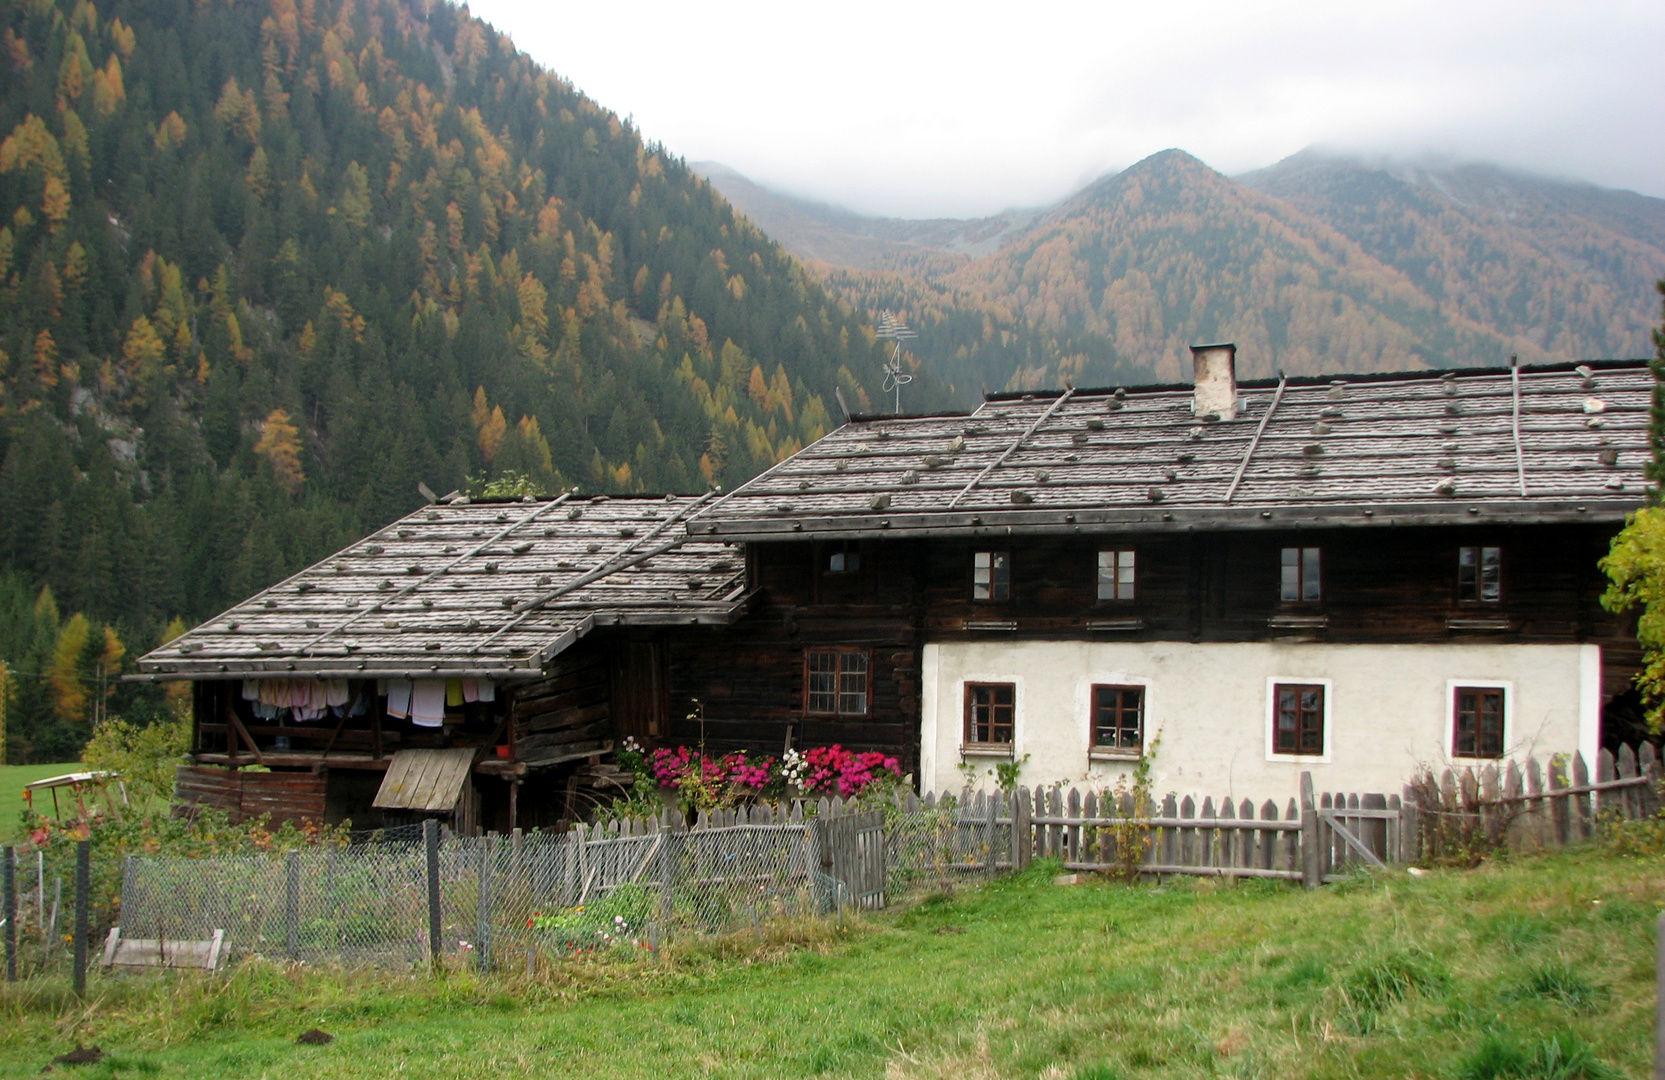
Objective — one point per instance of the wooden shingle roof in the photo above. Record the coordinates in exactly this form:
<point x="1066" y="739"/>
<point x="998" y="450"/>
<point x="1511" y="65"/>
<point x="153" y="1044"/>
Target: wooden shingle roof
<point x="1561" y="442"/>
<point x="488" y="589"/>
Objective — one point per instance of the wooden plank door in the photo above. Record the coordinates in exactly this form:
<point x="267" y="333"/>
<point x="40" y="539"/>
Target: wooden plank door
<point x="641" y="689"/>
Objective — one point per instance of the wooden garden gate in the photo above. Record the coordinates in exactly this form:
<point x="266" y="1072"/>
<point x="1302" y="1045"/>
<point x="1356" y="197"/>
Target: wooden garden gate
<point x="853" y="852"/>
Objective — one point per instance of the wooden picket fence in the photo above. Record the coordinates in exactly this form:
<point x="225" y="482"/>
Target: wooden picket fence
<point x="1323" y="837"/>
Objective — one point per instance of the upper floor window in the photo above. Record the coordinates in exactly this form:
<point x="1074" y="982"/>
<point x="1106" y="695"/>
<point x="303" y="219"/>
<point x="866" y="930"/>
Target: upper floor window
<point x="1118" y="717"/>
<point x="990" y="709"/>
<point x="1478" y="730"/>
<point x="1301" y="578"/>
<point x="1115" y="575"/>
<point x="1479" y="575"/>
<point x="843" y="558"/>
<point x="835" y="681"/>
<point x="991" y="575"/>
<point x="1298" y="719"/>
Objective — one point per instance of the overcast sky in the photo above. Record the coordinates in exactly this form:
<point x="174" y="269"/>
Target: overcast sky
<point x="937" y="109"/>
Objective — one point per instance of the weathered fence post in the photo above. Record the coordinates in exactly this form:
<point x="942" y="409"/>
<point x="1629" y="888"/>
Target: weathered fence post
<point x="482" y="908"/>
<point x="430" y="841"/>
<point x="1022" y="843"/>
<point x="995" y="802"/>
<point x="667" y="870"/>
<point x="8" y="885"/>
<point x="1312" y="873"/>
<point x="292" y="905"/>
<point x="83" y="886"/>
<point x="1659" y="1000"/>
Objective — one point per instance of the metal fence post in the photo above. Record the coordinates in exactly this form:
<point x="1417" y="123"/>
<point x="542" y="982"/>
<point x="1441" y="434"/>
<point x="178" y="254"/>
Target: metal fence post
<point x="482" y="907"/>
<point x="292" y="906"/>
<point x="430" y="840"/>
<point x="83" y="885"/>
<point x="1312" y="872"/>
<point x="8" y="885"/>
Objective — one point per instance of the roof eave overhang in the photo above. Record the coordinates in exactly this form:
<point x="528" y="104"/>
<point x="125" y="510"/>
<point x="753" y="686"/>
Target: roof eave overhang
<point x="453" y="666"/>
<point x="1159" y="518"/>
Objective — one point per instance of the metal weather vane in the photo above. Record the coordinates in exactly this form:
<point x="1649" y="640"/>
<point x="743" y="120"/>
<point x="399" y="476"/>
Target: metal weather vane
<point x="893" y="329"/>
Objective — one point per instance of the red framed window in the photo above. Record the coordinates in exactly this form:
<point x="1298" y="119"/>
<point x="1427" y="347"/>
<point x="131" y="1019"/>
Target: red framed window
<point x="990" y="709"/>
<point x="1298" y="719"/>
<point x="1478" y="730"/>
<point x="1118" y="717"/>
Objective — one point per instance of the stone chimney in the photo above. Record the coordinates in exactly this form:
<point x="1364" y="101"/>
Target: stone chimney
<point x="1215" y="381"/>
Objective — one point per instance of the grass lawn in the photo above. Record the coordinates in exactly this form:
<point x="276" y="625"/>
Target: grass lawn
<point x="12" y="779"/>
<point x="1513" y="970"/>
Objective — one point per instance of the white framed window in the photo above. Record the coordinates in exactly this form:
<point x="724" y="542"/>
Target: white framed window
<point x="1479" y="718"/>
<point x="1116" y="576"/>
<point x="1300" y="725"/>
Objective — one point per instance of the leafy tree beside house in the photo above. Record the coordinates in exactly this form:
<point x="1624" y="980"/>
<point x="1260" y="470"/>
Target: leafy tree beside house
<point x="1636" y="562"/>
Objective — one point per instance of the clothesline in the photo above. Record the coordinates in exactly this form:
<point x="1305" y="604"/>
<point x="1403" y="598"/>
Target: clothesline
<point x="422" y="701"/>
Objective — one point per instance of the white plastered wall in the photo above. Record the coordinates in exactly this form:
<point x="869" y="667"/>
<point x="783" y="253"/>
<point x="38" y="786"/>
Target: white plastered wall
<point x="1389" y="709"/>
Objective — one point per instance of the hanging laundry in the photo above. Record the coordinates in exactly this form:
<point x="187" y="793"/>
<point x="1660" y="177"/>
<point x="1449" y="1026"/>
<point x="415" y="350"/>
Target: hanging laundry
<point x="471" y="690"/>
<point x="488" y="691"/>
<point x="427" y="703"/>
<point x="453" y="692"/>
<point x="251" y="689"/>
<point x="335" y="691"/>
<point x="398" y="698"/>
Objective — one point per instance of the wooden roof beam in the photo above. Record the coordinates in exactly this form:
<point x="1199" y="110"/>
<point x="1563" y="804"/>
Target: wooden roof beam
<point x="1057" y="403"/>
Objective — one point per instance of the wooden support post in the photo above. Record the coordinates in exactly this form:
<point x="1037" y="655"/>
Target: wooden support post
<point x="8" y="914"/>
<point x="1312" y="867"/>
<point x="482" y="907"/>
<point x="430" y="841"/>
<point x="292" y="905"/>
<point x="83" y="885"/>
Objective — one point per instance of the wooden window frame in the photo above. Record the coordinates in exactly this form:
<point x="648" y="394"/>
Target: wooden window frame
<point x="968" y="729"/>
<point x="1479" y="599"/>
<point x="1275" y="686"/>
<point x="1112" y="749"/>
<point x="1301" y="576"/>
<point x="838" y="673"/>
<point x="1116" y="596"/>
<point x="1454" y="688"/>
<point x="841" y="549"/>
<point x="993" y="554"/>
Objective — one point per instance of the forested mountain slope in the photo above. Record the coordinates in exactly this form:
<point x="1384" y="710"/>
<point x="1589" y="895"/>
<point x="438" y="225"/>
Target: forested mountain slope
<point x="267" y="264"/>
<point x="1563" y="264"/>
<point x="1316" y="264"/>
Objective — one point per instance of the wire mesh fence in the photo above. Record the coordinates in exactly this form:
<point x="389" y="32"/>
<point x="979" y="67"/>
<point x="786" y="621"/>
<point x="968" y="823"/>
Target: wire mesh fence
<point x="629" y="884"/>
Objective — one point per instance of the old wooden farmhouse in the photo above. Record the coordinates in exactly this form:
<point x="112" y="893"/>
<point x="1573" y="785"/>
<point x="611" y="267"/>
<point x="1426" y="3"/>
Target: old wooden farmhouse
<point x="1357" y="577"/>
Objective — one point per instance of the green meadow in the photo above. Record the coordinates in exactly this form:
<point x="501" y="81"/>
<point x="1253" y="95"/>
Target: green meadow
<point x="1534" y="967"/>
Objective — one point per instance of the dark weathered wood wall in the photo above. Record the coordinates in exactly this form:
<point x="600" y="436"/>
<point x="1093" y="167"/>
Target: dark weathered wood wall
<point x="1381" y="585"/>
<point x="750" y="677"/>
